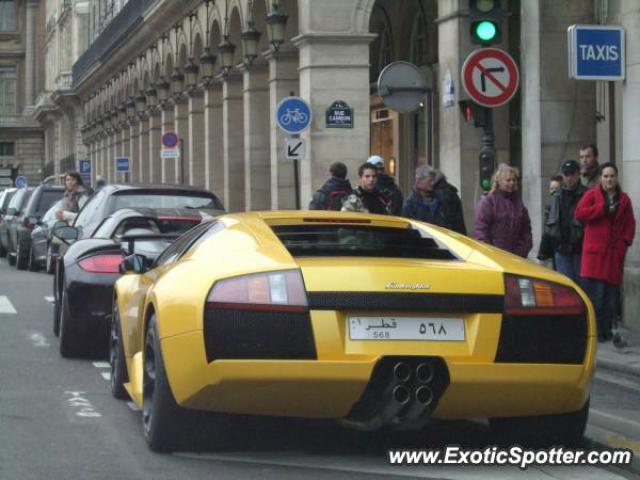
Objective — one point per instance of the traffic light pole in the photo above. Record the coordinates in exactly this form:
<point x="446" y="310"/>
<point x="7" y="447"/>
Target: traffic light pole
<point x="488" y="144"/>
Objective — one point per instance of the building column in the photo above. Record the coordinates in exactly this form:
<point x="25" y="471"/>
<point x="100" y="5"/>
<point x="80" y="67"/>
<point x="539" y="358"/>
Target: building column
<point x="168" y="164"/>
<point x="257" y="161"/>
<point x="333" y="66"/>
<point x="195" y="144"/>
<point x="233" y="140"/>
<point x="154" y="162"/>
<point x="283" y="79"/>
<point x="143" y="148"/>
<point x="630" y="19"/>
<point x="110" y="157"/>
<point x="134" y="150"/>
<point x="181" y="122"/>
<point x="213" y="141"/>
<point x="30" y="53"/>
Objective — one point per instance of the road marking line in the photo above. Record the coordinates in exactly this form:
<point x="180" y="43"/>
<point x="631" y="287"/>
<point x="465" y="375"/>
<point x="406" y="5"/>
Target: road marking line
<point x="50" y="299"/>
<point x="106" y="375"/>
<point x="621" y="382"/>
<point x="6" y="306"/>
<point x="614" y="417"/>
<point x="101" y="364"/>
<point x="133" y="407"/>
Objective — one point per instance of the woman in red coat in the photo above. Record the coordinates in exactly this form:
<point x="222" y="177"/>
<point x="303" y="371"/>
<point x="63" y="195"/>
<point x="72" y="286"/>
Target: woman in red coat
<point x="609" y="228"/>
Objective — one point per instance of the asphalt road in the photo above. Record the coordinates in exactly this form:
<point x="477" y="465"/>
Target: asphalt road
<point x="59" y="421"/>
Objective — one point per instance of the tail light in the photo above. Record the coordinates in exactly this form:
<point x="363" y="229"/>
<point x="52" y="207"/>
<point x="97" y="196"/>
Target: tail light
<point x="529" y="296"/>
<point x="109" y="263"/>
<point x="281" y="290"/>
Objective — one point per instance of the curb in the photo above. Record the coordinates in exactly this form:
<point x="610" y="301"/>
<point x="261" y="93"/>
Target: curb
<point x="617" y="367"/>
<point x="592" y="441"/>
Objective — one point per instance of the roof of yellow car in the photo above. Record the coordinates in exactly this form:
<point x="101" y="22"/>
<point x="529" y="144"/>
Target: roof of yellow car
<point x="320" y="216"/>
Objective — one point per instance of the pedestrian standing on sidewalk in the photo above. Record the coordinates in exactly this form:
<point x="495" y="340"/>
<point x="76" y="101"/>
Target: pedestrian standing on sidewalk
<point x="609" y="229"/>
<point x="334" y="190"/>
<point x="588" y="155"/>
<point x="387" y="185"/>
<point x="561" y="229"/>
<point x="545" y="251"/>
<point x="366" y="198"/>
<point x="501" y="218"/>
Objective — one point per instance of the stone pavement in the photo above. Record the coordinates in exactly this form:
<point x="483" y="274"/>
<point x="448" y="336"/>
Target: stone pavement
<point x="622" y="357"/>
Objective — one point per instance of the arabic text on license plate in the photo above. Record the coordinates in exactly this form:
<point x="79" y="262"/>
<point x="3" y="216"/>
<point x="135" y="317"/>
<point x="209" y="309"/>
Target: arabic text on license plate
<point x="406" y="328"/>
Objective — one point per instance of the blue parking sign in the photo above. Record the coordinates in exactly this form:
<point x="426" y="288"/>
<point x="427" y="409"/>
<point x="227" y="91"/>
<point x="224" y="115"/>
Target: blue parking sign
<point x="596" y="52"/>
<point x="84" y="168"/>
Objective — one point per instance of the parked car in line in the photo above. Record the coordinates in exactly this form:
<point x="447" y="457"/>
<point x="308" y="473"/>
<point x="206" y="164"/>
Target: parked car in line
<point x="16" y="205"/>
<point x="44" y="247"/>
<point x="90" y="266"/>
<point x="371" y="320"/>
<point x="21" y="225"/>
<point x="5" y="198"/>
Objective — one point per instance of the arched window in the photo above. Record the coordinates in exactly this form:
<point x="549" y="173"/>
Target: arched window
<point x="382" y="47"/>
<point x="7" y="15"/>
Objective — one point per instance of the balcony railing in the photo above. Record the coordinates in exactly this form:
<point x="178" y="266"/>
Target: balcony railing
<point x="64" y="81"/>
<point x="120" y="28"/>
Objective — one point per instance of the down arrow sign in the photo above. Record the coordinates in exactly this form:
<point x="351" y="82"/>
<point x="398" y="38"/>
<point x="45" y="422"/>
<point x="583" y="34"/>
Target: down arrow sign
<point x="292" y="150"/>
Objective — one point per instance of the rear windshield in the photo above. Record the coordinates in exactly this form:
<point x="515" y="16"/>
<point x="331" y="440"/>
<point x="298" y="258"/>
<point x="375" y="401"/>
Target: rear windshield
<point x="196" y="201"/>
<point x="7" y="198"/>
<point x="47" y="198"/>
<point x="359" y="241"/>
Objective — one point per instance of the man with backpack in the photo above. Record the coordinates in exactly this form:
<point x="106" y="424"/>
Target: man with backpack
<point x="334" y="191"/>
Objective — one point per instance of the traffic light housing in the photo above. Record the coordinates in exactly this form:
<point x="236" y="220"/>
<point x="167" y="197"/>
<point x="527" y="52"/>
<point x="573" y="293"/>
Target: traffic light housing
<point x="486" y="21"/>
<point x="487" y="167"/>
<point x="473" y="113"/>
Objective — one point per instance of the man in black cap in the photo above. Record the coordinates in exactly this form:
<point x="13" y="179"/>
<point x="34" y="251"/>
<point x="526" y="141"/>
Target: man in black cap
<point x="561" y="229"/>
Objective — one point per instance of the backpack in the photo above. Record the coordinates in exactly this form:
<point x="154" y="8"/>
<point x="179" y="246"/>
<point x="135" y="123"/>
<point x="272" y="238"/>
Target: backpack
<point x="333" y="198"/>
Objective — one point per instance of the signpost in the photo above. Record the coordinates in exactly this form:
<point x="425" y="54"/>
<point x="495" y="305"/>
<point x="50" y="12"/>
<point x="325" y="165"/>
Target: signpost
<point x="84" y="167"/>
<point x="294" y="148"/>
<point x="490" y="77"/>
<point x="596" y="52"/>
<point x="22" y="181"/>
<point x="122" y="166"/>
<point x="294" y="116"/>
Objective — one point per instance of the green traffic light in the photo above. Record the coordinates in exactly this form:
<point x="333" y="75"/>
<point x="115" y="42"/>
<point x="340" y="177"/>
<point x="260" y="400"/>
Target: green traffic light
<point x="485" y="30"/>
<point x="486" y="184"/>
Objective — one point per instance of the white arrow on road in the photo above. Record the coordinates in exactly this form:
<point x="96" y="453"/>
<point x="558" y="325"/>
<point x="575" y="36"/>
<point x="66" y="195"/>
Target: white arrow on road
<point x="6" y="306"/>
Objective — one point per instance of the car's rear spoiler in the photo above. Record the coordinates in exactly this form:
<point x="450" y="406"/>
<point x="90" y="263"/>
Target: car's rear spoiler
<point x="130" y="240"/>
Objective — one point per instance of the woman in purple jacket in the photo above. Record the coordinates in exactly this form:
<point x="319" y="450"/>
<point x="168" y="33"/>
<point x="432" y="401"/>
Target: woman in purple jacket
<point x="502" y="220"/>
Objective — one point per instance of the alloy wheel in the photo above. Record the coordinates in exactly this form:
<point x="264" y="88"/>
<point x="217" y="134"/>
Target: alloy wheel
<point x="148" y="382"/>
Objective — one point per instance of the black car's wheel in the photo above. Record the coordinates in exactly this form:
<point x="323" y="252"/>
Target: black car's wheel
<point x="71" y="342"/>
<point x="3" y="251"/>
<point x="21" y="256"/>
<point x="116" y="358"/>
<point x="56" y="308"/>
<point x="11" y="259"/>
<point x="51" y="264"/>
<point x="544" y="430"/>
<point x="33" y="264"/>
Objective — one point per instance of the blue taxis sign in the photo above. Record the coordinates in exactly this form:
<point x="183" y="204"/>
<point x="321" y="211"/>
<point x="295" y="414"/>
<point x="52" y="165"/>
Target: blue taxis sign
<point x="596" y="52"/>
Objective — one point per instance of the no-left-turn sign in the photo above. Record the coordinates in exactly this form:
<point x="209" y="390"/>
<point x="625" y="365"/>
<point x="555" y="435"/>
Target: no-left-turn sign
<point x="490" y="77"/>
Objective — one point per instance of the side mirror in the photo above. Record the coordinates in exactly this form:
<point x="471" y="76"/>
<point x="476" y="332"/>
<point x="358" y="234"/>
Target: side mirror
<point x="65" y="233"/>
<point x="135" y="263"/>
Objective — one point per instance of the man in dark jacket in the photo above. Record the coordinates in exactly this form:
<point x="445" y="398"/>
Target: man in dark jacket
<point x="334" y="191"/>
<point x="562" y="230"/>
<point x="434" y="200"/>
<point x="366" y="198"/>
<point x="387" y="186"/>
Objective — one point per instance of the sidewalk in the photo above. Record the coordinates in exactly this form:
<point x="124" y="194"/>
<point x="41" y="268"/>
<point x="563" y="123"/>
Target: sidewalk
<point x="622" y="359"/>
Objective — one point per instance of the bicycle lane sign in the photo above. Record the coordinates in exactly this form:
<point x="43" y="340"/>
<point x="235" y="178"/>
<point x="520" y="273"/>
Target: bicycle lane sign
<point x="293" y="115"/>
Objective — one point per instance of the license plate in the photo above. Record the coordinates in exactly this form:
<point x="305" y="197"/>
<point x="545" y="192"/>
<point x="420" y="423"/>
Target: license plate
<point x="406" y="328"/>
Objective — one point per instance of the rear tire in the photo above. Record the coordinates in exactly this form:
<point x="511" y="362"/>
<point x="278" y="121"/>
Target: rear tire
<point x="11" y="259"/>
<point x="3" y="251"/>
<point x="71" y="342"/>
<point x="116" y="358"/>
<point x="56" y="308"/>
<point x="543" y="431"/>
<point x="21" y="258"/>
<point x="161" y="416"/>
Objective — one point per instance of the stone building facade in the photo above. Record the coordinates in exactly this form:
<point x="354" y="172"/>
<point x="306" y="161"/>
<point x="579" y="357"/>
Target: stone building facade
<point x="157" y="66"/>
<point x="21" y="77"/>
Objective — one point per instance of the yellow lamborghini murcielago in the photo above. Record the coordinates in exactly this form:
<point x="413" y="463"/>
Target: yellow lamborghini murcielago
<point x="374" y="321"/>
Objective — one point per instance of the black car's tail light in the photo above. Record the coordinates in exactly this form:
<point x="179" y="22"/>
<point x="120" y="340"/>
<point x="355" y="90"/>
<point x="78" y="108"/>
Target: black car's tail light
<point x="259" y="316"/>
<point x="109" y="263"/>
<point x="282" y="290"/>
<point x="543" y="322"/>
